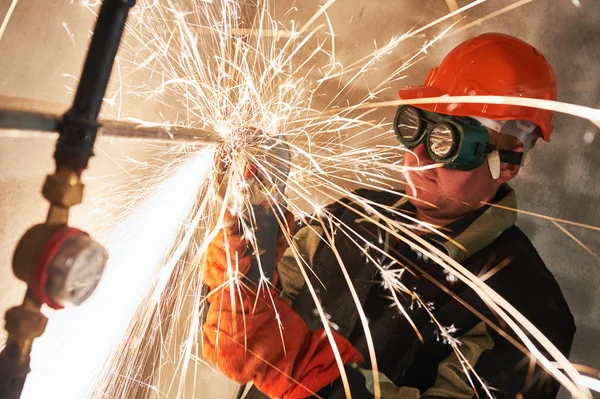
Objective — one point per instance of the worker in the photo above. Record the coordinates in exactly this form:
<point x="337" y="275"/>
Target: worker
<point x="275" y="337"/>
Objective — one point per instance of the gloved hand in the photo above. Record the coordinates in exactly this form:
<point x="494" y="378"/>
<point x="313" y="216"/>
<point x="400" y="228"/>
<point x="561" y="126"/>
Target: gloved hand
<point x="254" y="336"/>
<point x="229" y="251"/>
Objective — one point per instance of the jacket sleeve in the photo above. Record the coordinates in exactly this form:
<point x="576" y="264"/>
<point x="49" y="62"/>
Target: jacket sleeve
<point x="504" y="369"/>
<point x="451" y="381"/>
<point x="306" y="242"/>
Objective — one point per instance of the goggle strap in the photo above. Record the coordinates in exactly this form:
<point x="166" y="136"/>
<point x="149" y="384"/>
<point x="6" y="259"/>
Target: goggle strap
<point x="511" y="157"/>
<point x="490" y="123"/>
<point x="507" y="156"/>
<point x="522" y="130"/>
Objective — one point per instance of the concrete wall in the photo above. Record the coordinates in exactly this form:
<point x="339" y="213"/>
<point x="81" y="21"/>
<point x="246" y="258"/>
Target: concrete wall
<point x="561" y="180"/>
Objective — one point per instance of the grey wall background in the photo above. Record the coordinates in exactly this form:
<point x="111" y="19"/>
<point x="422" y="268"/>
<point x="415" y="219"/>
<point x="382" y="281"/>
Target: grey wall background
<point x="561" y="180"/>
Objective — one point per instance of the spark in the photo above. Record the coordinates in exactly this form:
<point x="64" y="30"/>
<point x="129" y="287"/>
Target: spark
<point x="214" y="67"/>
<point x="6" y="19"/>
<point x="591" y="383"/>
<point x="78" y="341"/>
<point x="491" y="15"/>
<point x="89" y="3"/>
<point x="71" y="35"/>
<point x="592" y="114"/>
<point x="581" y="244"/>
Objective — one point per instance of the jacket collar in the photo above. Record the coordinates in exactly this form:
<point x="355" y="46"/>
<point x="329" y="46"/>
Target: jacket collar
<point x="479" y="229"/>
<point x="473" y="232"/>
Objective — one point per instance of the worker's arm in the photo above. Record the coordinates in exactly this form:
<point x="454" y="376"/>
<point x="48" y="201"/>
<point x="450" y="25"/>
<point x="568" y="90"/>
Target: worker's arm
<point x="450" y="382"/>
<point x="255" y="336"/>
<point x="506" y="371"/>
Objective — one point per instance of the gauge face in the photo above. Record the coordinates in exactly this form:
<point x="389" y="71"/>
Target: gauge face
<point x="75" y="270"/>
<point x="442" y="141"/>
<point x="408" y="124"/>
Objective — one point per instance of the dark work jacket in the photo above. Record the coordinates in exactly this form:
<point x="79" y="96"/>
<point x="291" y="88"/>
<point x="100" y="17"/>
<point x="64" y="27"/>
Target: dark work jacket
<point x="512" y="268"/>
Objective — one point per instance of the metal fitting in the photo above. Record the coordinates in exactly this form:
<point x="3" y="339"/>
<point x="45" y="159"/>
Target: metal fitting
<point x="25" y="323"/>
<point x="64" y="188"/>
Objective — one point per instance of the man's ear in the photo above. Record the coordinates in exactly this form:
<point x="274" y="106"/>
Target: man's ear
<point x="508" y="170"/>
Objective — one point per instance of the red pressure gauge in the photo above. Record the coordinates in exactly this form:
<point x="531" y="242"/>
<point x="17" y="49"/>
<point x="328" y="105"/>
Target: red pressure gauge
<point x="68" y="269"/>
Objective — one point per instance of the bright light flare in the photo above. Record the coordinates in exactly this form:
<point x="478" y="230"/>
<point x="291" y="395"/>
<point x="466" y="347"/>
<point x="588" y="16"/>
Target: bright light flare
<point x="78" y="341"/>
<point x="228" y="70"/>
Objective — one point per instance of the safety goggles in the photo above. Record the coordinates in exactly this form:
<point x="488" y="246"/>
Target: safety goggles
<point x="460" y="143"/>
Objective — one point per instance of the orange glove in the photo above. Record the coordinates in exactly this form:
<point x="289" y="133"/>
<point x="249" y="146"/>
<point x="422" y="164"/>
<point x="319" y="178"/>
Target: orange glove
<point x="255" y="336"/>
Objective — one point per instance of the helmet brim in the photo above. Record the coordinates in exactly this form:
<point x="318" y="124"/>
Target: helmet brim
<point x="489" y="111"/>
<point x="454" y="109"/>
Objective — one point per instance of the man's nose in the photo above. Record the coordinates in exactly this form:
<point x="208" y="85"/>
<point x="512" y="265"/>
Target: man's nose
<point x="418" y="156"/>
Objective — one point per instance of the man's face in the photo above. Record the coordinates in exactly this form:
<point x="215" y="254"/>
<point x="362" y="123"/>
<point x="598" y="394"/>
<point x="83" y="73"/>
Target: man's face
<point x="448" y="193"/>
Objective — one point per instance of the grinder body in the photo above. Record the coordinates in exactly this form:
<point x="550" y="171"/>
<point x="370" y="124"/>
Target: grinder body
<point x="252" y="183"/>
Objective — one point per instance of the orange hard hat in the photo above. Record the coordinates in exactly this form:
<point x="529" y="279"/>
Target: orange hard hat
<point x="491" y="64"/>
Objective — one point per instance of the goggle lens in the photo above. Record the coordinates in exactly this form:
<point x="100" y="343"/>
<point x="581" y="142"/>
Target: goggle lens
<point x="442" y="141"/>
<point x="408" y="124"/>
<point x="460" y="143"/>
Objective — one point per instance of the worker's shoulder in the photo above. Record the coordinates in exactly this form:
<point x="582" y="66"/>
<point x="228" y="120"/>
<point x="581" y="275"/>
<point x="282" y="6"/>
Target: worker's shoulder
<point x="514" y="241"/>
<point x="526" y="280"/>
<point x="514" y="249"/>
<point x="355" y="203"/>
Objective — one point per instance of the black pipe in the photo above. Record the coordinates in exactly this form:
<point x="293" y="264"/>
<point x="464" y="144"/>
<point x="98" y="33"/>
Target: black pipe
<point x="77" y="134"/>
<point x="79" y="126"/>
<point x="24" y="324"/>
<point x="11" y="384"/>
